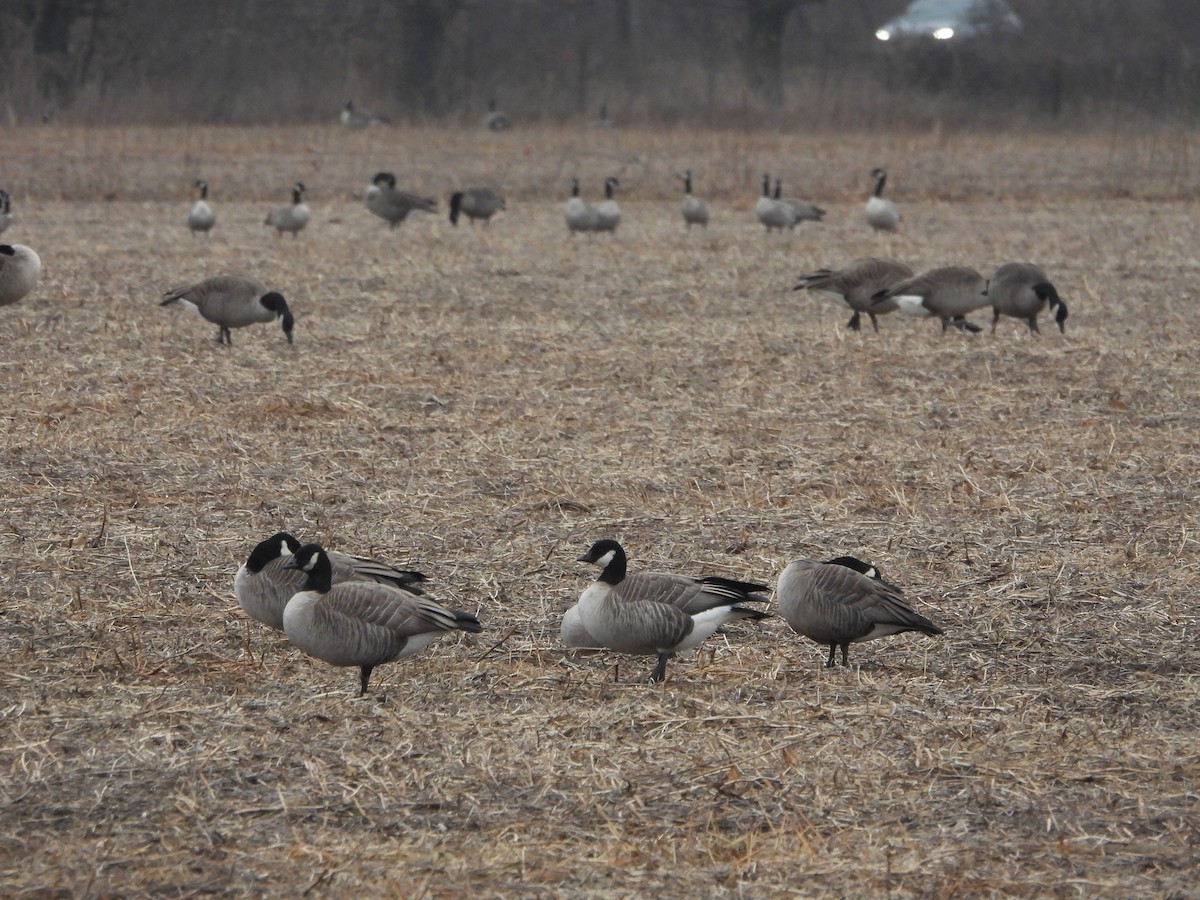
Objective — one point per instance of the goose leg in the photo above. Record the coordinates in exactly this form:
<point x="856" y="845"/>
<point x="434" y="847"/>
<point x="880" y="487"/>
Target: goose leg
<point x="365" y="677"/>
<point x="660" y="670"/>
<point x="829" y="662"/>
<point x="846" y="654"/>
<point x="224" y="337"/>
<point x="856" y="322"/>
<point x="1033" y="326"/>
<point x="874" y="321"/>
<point x="995" y="319"/>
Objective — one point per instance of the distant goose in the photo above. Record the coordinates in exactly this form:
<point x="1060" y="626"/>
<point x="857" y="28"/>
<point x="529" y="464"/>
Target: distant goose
<point x="201" y="217"/>
<point x="496" y="120"/>
<point x="362" y="623"/>
<point x="475" y="203"/>
<point x="19" y="271"/>
<point x="360" y="118"/>
<point x="266" y="581"/>
<point x="291" y="218"/>
<point x="393" y="206"/>
<point x="608" y="213"/>
<point x="1022" y="290"/>
<point x="856" y="285"/>
<point x="803" y="210"/>
<point x="694" y="210"/>
<point x="835" y="604"/>
<point x="602" y="121"/>
<point x="949" y="293"/>
<point x="773" y="214"/>
<point x="882" y="215"/>
<point x="6" y="216"/>
<point x="641" y="616"/>
<point x="232" y="301"/>
<point x="579" y="216"/>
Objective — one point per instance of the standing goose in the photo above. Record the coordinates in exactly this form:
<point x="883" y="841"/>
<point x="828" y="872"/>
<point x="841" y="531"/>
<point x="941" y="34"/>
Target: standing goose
<point x="201" y="217"/>
<point x="773" y="214"/>
<point x="6" y="216"/>
<point x="475" y="203"/>
<point x="836" y="604"/>
<point x="1022" y="290"/>
<point x="882" y="215"/>
<point x="608" y="213"/>
<point x="19" y="271"/>
<point x="232" y="301"/>
<point x="643" y="615"/>
<point x="291" y="218"/>
<point x="695" y="210"/>
<point x="362" y="623"/>
<point x="393" y="206"/>
<point x="856" y="285"/>
<point x="495" y="120"/>
<point x="579" y="215"/>
<point x="948" y="293"/>
<point x="802" y="210"/>
<point x="266" y="580"/>
<point x="360" y="118"/>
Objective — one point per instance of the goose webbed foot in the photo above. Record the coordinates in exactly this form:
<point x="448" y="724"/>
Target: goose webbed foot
<point x="660" y="670"/>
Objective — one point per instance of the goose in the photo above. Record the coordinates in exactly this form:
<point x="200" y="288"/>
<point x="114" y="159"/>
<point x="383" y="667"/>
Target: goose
<point x="475" y="203"/>
<point x="803" y="210"/>
<point x="232" y="301"/>
<point x="19" y="271"/>
<point x="264" y="583"/>
<point x="6" y="216"/>
<point x="291" y="218"/>
<point x="695" y="210"/>
<point x="495" y="120"/>
<point x="608" y="213"/>
<point x="882" y="215"/>
<point x="948" y="293"/>
<point x="1022" y="290"/>
<point x="201" y="217"/>
<point x="646" y="616"/>
<point x="603" y="121"/>
<point x="579" y="216"/>
<point x="360" y="118"/>
<point x="836" y="604"/>
<point x="393" y="206"/>
<point x="856" y="285"/>
<point x="772" y="213"/>
<point x="362" y="623"/>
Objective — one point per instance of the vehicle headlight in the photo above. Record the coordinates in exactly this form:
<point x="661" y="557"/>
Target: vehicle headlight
<point x="944" y="34"/>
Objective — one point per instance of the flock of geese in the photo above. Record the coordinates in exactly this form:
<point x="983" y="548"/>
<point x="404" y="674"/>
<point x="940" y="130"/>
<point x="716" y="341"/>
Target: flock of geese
<point x="353" y="611"/>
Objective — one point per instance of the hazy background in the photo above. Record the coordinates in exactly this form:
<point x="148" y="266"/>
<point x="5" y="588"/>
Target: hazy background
<point x="791" y="63"/>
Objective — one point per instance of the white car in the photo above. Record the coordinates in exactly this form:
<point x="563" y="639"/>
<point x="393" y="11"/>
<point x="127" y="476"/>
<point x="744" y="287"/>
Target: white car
<point x="946" y="20"/>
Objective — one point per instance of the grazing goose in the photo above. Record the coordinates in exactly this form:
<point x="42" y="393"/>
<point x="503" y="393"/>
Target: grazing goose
<point x="362" y="623"/>
<point x="882" y="214"/>
<point x="608" y="213"/>
<point x="837" y="604"/>
<point x="475" y="203"/>
<point x="291" y="218"/>
<point x="695" y="210"/>
<point x="19" y="271"/>
<point x="232" y="301"/>
<point x="393" y="206"/>
<point x="856" y="285"/>
<point x="652" y="615"/>
<point x="360" y="118"/>
<point x="6" y="216"/>
<point x="1022" y="290"/>
<point x="948" y="293"/>
<point x="496" y="120"/>
<point x="774" y="214"/>
<point x="201" y="217"/>
<point x="266" y="581"/>
<point x="802" y="209"/>
<point x="579" y="216"/>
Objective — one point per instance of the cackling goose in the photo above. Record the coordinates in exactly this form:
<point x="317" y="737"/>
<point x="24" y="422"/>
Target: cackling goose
<point x="393" y="206"/>
<point x="802" y="210"/>
<point x="475" y="203"/>
<point x="856" y="286"/>
<point x="882" y="215"/>
<point x="19" y="271"/>
<point x="579" y="215"/>
<point x="695" y="210"/>
<point x="201" y="217"/>
<point x="948" y="293"/>
<point x="1022" y="290"/>
<point x="232" y="301"/>
<point x="291" y="218"/>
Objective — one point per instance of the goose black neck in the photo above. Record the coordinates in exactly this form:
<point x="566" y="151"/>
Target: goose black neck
<point x="270" y="549"/>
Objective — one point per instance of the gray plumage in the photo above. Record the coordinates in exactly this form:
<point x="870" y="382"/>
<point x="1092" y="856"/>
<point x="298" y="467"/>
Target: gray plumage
<point x="949" y="293"/>
<point x="290" y="218"/>
<point x="19" y="270"/>
<point x="267" y="579"/>
<point x="882" y="214"/>
<point x="359" y="118"/>
<point x="495" y="120"/>
<point x="578" y="214"/>
<point x="6" y="215"/>
<point x="362" y="623"/>
<point x="608" y="213"/>
<point x="392" y="205"/>
<point x="232" y="301"/>
<point x="802" y="210"/>
<point x="1022" y="290"/>
<point x="856" y="286"/>
<point x="834" y="604"/>
<point x="201" y="216"/>
<point x="774" y="214"/>
<point x="475" y="203"/>
<point x="694" y="210"/>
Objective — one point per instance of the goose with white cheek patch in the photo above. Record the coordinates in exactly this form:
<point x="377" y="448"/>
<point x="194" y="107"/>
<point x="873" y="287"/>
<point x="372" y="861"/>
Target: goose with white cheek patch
<point x="233" y="301"/>
<point x="856" y="286"/>
<point x="291" y="218"/>
<point x="1022" y="290"/>
<point x="694" y="210"/>
<point x="882" y="214"/>
<point x="201" y="216"/>
<point x="949" y="293"/>
<point x="19" y="271"/>
<point x="577" y="212"/>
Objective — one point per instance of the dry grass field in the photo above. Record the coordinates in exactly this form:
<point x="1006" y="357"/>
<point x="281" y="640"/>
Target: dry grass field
<point x="482" y="404"/>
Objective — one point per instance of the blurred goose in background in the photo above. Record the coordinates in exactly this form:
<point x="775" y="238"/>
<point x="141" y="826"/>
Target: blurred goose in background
<point x="201" y="217"/>
<point x="836" y="603"/>
<point x="1022" y="290"/>
<point x="882" y="215"/>
<point x="362" y="623"/>
<point x="360" y="118"/>
<point x="694" y="210"/>
<point x="949" y="293"/>
<point x="495" y="120"/>
<point x="774" y="214"/>
<point x="608" y="213"/>
<point x="6" y="216"/>
<point x="802" y="209"/>
<point x="232" y="301"/>
<point x="266" y="580"/>
<point x="475" y="203"/>
<point x="579" y="215"/>
<point x="393" y="206"/>
<point x="19" y="271"/>
<point x="642" y="616"/>
<point x="602" y="121"/>
<point x="291" y="218"/>
<point x="856" y="286"/>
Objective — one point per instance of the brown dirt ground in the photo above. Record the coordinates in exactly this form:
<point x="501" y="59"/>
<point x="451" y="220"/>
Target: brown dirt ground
<point x="481" y="405"/>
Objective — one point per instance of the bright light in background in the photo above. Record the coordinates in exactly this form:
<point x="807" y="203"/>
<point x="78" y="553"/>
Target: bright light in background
<point x="883" y="34"/>
<point x="944" y="34"/>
